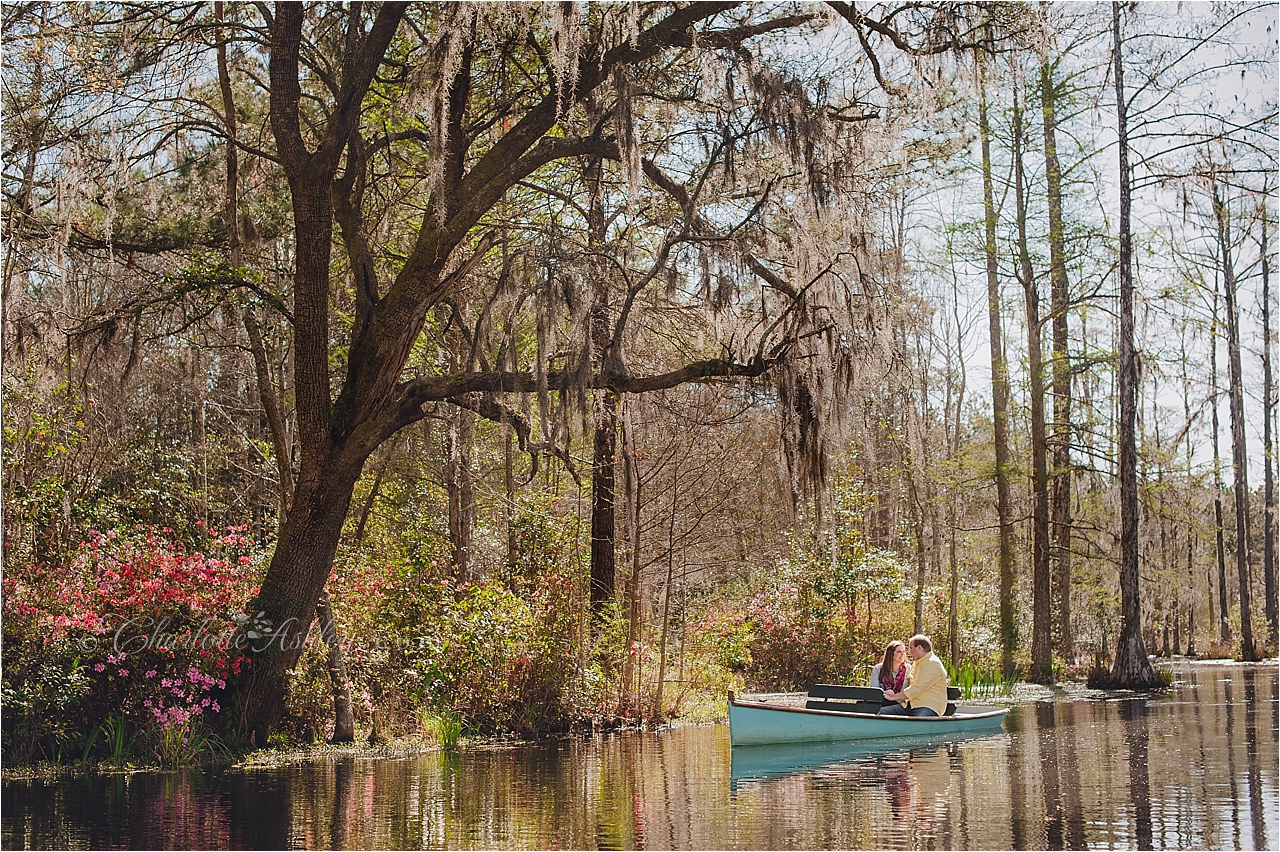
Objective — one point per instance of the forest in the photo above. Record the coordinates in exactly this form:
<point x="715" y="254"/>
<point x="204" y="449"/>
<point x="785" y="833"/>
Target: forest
<point x="449" y="369"/>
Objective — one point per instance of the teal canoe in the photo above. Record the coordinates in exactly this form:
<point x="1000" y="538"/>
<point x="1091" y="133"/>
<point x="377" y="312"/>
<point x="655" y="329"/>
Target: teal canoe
<point x="756" y="722"/>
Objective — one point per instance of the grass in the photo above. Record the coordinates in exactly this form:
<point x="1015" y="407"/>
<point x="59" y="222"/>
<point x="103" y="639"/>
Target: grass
<point x="119" y="742"/>
<point x="186" y="744"/>
<point x="443" y="727"/>
<point x="974" y="680"/>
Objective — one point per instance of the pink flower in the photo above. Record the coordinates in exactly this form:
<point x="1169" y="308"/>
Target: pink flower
<point x="147" y="703"/>
<point x="216" y="708"/>
<point x="124" y="673"/>
<point x="99" y="667"/>
<point x="151" y="673"/>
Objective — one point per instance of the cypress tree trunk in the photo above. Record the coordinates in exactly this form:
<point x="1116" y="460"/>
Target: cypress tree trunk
<point x="1191" y="536"/>
<point x="659" y="712"/>
<point x="999" y="396"/>
<point x="603" y="477"/>
<point x="1060" y="444"/>
<point x="921" y="566"/>
<point x="1041" y="615"/>
<point x="509" y="487"/>
<point x="460" y="487"/>
<point x="1239" y="453"/>
<point x="1132" y="668"/>
<point x="1224" y="626"/>
<point x="953" y="619"/>
<point x="630" y="698"/>
<point x="1269" y="482"/>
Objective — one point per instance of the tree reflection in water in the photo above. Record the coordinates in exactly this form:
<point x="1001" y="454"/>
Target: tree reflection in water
<point x="344" y="802"/>
<point x="1049" y="758"/>
<point x="1134" y="714"/>
<point x="1257" y="820"/>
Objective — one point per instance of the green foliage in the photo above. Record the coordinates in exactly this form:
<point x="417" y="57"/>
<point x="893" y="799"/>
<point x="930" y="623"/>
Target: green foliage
<point x="44" y="430"/>
<point x="824" y="616"/>
<point x="501" y="653"/>
<point x="43" y="708"/>
<point x="117" y="738"/>
<point x="72" y="464"/>
<point x="442" y="727"/>
<point x="986" y="678"/>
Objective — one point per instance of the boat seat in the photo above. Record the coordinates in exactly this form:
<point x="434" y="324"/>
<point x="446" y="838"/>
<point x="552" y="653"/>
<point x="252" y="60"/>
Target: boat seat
<point x="846" y="699"/>
<point x="860" y="699"/>
<point x="847" y="693"/>
<point x="845" y="706"/>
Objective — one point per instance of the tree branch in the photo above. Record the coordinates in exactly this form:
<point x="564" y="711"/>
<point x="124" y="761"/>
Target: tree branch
<point x="414" y="393"/>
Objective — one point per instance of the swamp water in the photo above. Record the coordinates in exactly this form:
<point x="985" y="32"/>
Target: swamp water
<point x="1195" y="767"/>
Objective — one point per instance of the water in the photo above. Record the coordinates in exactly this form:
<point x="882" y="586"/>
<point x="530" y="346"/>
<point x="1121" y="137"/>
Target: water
<point x="1194" y="768"/>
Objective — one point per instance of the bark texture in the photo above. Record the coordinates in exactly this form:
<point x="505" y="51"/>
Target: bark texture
<point x="1132" y="668"/>
<point x="999" y="401"/>
<point x="1041" y="606"/>
<point x="1239" y="451"/>
<point x="1059" y="301"/>
<point x="1269" y="531"/>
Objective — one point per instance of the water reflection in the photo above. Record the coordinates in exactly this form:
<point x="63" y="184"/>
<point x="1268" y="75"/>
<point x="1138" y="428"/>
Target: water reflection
<point x="1137" y="740"/>
<point x="854" y="760"/>
<point x="1196" y="768"/>
<point x="1256" y="820"/>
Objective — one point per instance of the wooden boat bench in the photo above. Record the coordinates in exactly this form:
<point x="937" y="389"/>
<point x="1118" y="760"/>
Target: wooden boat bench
<point x="860" y="699"/>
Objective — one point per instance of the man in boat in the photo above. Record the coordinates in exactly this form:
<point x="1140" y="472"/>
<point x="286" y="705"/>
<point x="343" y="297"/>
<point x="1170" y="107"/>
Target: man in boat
<point x="926" y="691"/>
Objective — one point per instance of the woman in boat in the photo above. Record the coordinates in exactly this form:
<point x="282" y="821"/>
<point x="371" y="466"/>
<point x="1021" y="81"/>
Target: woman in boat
<point x="890" y="674"/>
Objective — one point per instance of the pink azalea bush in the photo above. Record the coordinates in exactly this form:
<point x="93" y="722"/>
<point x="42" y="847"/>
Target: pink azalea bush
<point x="134" y="627"/>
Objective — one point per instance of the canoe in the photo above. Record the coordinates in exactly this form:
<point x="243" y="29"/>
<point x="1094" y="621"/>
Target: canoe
<point x="756" y="722"/>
